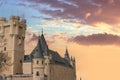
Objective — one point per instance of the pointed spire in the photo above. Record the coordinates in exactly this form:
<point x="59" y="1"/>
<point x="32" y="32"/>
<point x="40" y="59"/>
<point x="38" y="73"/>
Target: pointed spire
<point x="43" y="44"/>
<point x="67" y="51"/>
<point x="46" y="52"/>
<point x="42" y="31"/>
<point x="42" y="48"/>
<point x="43" y="41"/>
<point x="38" y="50"/>
<point x="67" y="55"/>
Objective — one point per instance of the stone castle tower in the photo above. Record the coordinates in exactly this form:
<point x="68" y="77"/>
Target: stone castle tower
<point x="12" y="35"/>
<point x="41" y="64"/>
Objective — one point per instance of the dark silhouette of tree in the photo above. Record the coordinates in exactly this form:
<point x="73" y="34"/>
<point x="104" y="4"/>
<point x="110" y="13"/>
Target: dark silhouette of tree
<point x="4" y="61"/>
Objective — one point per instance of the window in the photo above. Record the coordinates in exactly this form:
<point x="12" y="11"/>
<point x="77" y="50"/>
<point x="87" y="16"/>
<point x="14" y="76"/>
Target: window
<point x="37" y="73"/>
<point x="5" y="61"/>
<point x="37" y="62"/>
<point x="0" y="27"/>
<point x="42" y="62"/>
<point x="20" y="27"/>
<point x="4" y="48"/>
<point x="20" y="61"/>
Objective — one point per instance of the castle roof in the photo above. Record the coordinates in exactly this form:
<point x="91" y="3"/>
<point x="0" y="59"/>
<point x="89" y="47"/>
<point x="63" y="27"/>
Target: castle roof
<point x="42" y="50"/>
<point x="67" y="57"/>
<point x="38" y="52"/>
<point x="27" y="58"/>
<point x="44" y="45"/>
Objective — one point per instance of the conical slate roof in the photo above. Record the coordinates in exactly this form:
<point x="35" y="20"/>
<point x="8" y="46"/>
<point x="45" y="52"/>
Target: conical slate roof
<point x="41" y="49"/>
<point x="67" y="55"/>
<point x="38" y="52"/>
<point x="44" y="45"/>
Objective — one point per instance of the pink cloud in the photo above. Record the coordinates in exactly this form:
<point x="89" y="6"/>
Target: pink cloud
<point x="96" y="39"/>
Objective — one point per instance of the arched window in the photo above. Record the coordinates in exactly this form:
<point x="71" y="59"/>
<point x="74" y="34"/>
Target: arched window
<point x="37" y="73"/>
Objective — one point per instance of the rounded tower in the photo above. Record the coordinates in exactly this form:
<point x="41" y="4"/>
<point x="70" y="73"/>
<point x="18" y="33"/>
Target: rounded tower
<point x="38" y="63"/>
<point x="47" y="65"/>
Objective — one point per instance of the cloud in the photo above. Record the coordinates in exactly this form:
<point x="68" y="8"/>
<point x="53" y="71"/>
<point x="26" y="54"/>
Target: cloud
<point x="33" y="37"/>
<point x="37" y="17"/>
<point x="30" y="36"/>
<point x="106" y="11"/>
<point x="96" y="39"/>
<point x="21" y="4"/>
<point x="87" y="15"/>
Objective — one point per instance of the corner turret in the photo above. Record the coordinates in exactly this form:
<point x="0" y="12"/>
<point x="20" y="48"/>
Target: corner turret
<point x="67" y="57"/>
<point x="38" y="63"/>
<point x="2" y="20"/>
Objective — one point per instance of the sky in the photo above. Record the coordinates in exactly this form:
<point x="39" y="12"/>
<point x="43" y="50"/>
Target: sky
<point x="89" y="28"/>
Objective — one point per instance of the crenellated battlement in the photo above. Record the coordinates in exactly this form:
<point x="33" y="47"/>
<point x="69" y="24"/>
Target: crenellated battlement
<point x="12" y="19"/>
<point x="12" y="36"/>
<point x="2" y="19"/>
<point x="15" y="25"/>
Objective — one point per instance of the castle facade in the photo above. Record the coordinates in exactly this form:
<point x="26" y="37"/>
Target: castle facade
<point x="41" y="64"/>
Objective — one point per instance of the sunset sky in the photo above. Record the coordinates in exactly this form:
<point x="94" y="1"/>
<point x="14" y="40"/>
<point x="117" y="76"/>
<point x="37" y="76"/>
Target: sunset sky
<point x="89" y="28"/>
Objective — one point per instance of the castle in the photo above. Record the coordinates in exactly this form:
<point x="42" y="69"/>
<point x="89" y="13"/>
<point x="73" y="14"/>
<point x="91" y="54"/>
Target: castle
<point x="41" y="64"/>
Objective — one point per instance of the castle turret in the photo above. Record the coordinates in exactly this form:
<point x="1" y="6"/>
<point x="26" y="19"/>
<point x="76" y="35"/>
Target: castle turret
<point x="47" y="56"/>
<point x="12" y="25"/>
<point x="67" y="55"/>
<point x="23" y="26"/>
<point x="47" y="64"/>
<point x="73" y="63"/>
<point x="38" y="63"/>
<point x="2" y="22"/>
<point x="17" y="24"/>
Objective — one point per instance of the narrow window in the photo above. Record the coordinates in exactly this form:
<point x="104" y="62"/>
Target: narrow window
<point x="37" y="73"/>
<point x="37" y="62"/>
<point x="4" y="48"/>
<point x="42" y="62"/>
<point x="5" y="61"/>
<point x="20" y="61"/>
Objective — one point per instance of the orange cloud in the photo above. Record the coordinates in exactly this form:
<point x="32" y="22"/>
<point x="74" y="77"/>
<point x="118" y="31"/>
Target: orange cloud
<point x="98" y="12"/>
<point x="87" y="15"/>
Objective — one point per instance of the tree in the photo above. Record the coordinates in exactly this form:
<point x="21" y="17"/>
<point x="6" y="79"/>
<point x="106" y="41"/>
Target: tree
<point x="4" y="61"/>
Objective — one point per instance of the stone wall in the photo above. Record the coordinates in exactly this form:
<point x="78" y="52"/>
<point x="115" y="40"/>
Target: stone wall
<point x="27" y="68"/>
<point x="60" y="72"/>
<point x="19" y="77"/>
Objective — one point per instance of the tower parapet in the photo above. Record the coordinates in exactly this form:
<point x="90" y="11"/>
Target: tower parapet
<point x="15" y="24"/>
<point x="2" y="19"/>
<point x="12" y="34"/>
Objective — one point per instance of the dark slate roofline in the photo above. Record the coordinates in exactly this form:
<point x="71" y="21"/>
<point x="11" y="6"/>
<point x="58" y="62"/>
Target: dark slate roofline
<point x="38" y="53"/>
